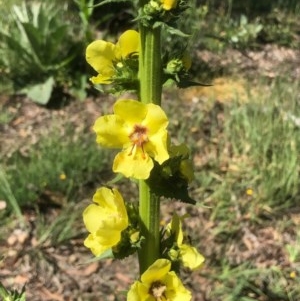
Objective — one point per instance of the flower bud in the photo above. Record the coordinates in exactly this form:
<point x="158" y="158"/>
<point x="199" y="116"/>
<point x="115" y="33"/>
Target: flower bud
<point x="169" y="4"/>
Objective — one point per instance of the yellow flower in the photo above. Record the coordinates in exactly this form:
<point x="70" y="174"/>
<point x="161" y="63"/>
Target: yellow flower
<point x="293" y="274"/>
<point x="105" y="220"/>
<point x="169" y="4"/>
<point x="62" y="176"/>
<point x="140" y="130"/>
<point x="187" y="254"/>
<point x="249" y="191"/>
<point x="158" y="283"/>
<point x="103" y="56"/>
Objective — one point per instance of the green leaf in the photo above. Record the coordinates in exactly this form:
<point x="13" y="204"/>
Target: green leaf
<point x="166" y="181"/>
<point x="34" y="38"/>
<point x="36" y="13"/>
<point x="52" y="45"/>
<point x="188" y="83"/>
<point x="20" y="13"/>
<point x="105" y="255"/>
<point x="59" y="33"/>
<point x="174" y="31"/>
<point x="41" y="93"/>
<point x="116" y="179"/>
<point x="15" y="46"/>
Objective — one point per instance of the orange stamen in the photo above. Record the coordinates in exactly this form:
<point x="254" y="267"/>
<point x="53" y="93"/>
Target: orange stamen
<point x="138" y="138"/>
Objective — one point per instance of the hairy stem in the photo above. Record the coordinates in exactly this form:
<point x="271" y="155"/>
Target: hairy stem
<point x="150" y="75"/>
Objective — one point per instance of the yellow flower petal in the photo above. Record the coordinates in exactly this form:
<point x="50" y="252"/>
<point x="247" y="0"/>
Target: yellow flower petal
<point x="175" y="289"/>
<point x="139" y="292"/>
<point x="157" y="146"/>
<point x="111" y="131"/>
<point x="190" y="257"/>
<point x="111" y="200"/>
<point x="156" y="271"/>
<point x="134" y="112"/>
<point x="93" y="244"/>
<point x="169" y="4"/>
<point x="102" y="79"/>
<point x="137" y="165"/>
<point x="159" y="283"/>
<point x="102" y="241"/>
<point x="100" y="54"/>
<point x="155" y="119"/>
<point x="91" y="217"/>
<point x="129" y="43"/>
<point x="105" y="220"/>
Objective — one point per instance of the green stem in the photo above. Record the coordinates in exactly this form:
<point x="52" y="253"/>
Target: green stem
<point x="150" y="75"/>
<point x="150" y="70"/>
<point x="149" y="222"/>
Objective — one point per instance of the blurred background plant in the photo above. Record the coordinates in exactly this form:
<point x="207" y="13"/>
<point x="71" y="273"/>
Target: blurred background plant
<point x="248" y="25"/>
<point x="42" y="48"/>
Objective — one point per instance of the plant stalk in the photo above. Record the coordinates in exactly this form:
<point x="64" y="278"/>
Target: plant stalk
<point x="150" y="76"/>
<point x="149" y="210"/>
<point x="150" y="66"/>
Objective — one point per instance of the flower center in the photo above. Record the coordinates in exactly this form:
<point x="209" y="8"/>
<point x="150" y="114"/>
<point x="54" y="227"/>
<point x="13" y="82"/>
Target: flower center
<point x="157" y="290"/>
<point x="138" y="137"/>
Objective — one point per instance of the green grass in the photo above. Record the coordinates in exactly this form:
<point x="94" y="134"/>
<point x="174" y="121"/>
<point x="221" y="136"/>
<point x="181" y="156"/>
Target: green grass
<point x="46" y="190"/>
<point x="9" y="195"/>
<point x="12" y="295"/>
<point x="60" y="227"/>
<point x="253" y="144"/>
<point x="246" y="144"/>
<point x="5" y="116"/>
<point x="265" y="142"/>
<point x="244" y="283"/>
<point x="59" y="169"/>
